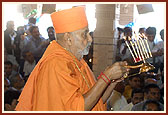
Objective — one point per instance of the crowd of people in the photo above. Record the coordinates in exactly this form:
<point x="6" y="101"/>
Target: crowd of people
<point x="24" y="48"/>
<point x="22" y="51"/>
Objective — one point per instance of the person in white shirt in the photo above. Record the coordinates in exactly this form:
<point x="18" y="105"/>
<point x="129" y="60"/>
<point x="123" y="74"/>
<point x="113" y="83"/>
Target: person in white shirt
<point x="8" y="70"/>
<point x="117" y="101"/>
<point x="156" y="51"/>
<point x="17" y="82"/>
<point x="159" y="47"/>
<point x="137" y="96"/>
<point x="10" y="37"/>
<point x="36" y="43"/>
<point x="29" y="64"/>
<point x="124" y="51"/>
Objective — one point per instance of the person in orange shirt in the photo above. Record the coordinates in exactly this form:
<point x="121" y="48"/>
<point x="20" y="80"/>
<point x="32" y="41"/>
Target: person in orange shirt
<point x="62" y="80"/>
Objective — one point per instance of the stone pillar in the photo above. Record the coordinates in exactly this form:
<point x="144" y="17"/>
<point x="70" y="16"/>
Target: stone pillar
<point x="103" y="50"/>
<point x="126" y="13"/>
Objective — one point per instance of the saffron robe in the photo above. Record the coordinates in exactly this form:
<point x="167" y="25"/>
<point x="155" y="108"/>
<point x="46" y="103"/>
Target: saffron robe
<point x="56" y="84"/>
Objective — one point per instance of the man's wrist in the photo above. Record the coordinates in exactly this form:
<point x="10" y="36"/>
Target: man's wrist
<point x="105" y="78"/>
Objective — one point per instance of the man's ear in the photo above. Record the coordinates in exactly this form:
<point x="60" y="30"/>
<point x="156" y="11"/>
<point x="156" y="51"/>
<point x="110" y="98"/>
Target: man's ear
<point x="67" y="38"/>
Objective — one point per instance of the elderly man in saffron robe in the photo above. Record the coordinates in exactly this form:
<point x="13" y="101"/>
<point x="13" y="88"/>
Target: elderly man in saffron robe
<point x="62" y="80"/>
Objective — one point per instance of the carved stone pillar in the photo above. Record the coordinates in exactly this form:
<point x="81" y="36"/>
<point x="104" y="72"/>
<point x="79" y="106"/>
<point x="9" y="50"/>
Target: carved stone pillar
<point x="103" y="50"/>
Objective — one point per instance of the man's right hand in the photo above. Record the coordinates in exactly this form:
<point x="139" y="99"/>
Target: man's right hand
<point x="116" y="71"/>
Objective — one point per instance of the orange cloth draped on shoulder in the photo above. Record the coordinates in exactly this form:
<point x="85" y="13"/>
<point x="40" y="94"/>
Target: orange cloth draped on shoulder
<point x="56" y="84"/>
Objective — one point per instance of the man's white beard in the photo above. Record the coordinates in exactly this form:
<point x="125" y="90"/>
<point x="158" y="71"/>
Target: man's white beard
<point x="86" y="50"/>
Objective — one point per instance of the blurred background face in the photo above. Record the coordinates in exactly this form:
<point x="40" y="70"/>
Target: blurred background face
<point x="128" y="34"/>
<point x="137" y="98"/>
<point x="10" y="26"/>
<point x="154" y="94"/>
<point x="150" y="37"/>
<point x="27" y="30"/>
<point x="135" y="82"/>
<point x="150" y="81"/>
<point x="8" y="69"/>
<point x="35" y="33"/>
<point x="20" y="30"/>
<point x="127" y="31"/>
<point x="51" y="33"/>
<point x="162" y="34"/>
<point x="20" y="82"/>
<point x="142" y="31"/>
<point x="151" y="107"/>
<point x="29" y="57"/>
